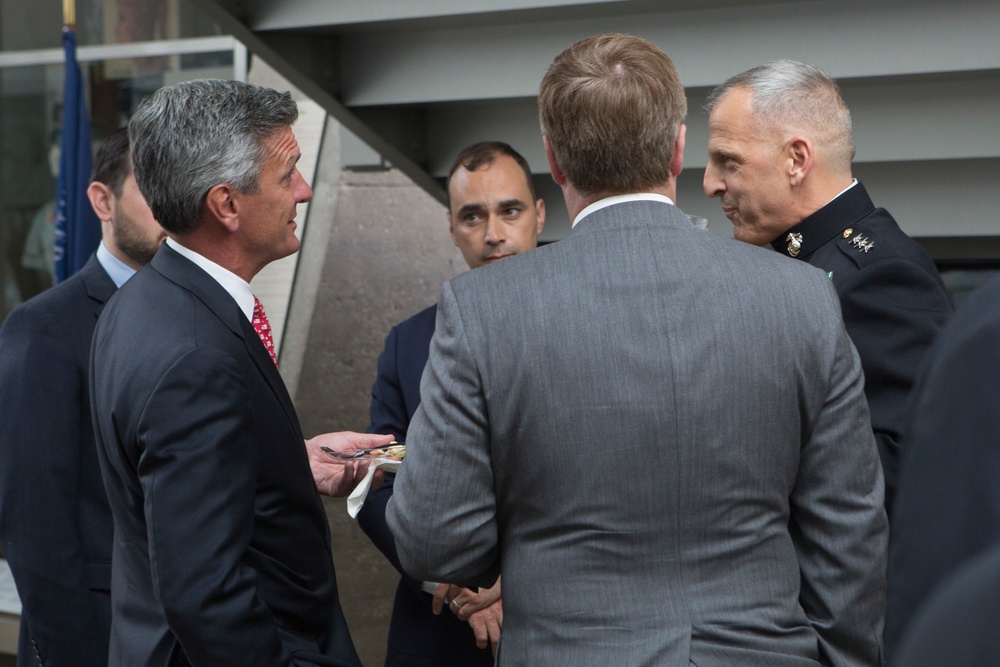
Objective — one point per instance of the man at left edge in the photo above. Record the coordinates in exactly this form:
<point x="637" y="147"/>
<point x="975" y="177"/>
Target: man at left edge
<point x="55" y="522"/>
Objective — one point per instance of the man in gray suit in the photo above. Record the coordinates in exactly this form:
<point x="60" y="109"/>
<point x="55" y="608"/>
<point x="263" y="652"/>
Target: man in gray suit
<point x="658" y="435"/>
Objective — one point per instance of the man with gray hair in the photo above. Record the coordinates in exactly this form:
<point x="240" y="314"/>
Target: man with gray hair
<point x="779" y="157"/>
<point x="222" y="547"/>
<point x="668" y="465"/>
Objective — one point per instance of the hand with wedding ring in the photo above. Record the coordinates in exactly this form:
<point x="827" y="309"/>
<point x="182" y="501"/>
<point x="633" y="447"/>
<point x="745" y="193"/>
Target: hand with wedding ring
<point x="483" y="609"/>
<point x="464" y="602"/>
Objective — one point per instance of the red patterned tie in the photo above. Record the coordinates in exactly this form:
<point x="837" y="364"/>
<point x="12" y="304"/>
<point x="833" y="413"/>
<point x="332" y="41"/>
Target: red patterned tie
<point x="263" y="329"/>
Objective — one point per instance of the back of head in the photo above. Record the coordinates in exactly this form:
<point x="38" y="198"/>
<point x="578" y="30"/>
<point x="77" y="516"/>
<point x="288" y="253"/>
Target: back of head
<point x="195" y="135"/>
<point x="483" y="154"/>
<point x="611" y="106"/>
<point x="797" y="98"/>
<point x="112" y="162"/>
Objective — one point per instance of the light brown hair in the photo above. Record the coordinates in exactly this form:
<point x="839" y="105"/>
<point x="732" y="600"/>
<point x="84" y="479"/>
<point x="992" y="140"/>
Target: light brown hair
<point x="611" y="106"/>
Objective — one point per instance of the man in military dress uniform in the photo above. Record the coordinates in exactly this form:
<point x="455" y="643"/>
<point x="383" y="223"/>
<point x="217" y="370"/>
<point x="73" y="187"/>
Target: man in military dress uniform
<point x="780" y="151"/>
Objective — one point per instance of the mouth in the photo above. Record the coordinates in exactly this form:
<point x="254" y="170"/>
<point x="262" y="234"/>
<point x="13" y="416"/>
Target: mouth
<point x="495" y="258"/>
<point x="729" y="211"/>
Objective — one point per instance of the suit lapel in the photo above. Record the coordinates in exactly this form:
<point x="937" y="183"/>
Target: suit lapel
<point x="98" y="283"/>
<point x="188" y="275"/>
<point x="262" y="360"/>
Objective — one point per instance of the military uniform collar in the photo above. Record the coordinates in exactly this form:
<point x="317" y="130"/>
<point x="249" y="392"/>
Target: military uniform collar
<point x="833" y="220"/>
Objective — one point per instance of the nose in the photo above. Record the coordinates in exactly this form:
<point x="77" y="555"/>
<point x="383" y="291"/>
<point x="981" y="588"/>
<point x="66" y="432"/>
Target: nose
<point x="713" y="184"/>
<point x="303" y="192"/>
<point x="494" y="230"/>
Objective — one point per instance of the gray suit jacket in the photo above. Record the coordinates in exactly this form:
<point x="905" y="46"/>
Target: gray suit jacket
<point x="660" y="437"/>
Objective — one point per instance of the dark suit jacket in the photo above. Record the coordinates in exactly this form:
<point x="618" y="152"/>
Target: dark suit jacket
<point x="892" y="299"/>
<point x="666" y="461"/>
<point x="55" y="522"/>
<point x="957" y="625"/>
<point x="417" y="638"/>
<point x="948" y="509"/>
<point x="222" y="547"/>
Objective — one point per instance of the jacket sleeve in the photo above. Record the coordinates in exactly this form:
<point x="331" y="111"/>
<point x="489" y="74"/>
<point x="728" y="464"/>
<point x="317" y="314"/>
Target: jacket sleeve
<point x="893" y="310"/>
<point x="838" y="522"/>
<point x="443" y="511"/>
<point x="199" y="461"/>
<point x="388" y="415"/>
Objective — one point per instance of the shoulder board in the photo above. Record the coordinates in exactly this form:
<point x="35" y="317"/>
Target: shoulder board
<point x="860" y="244"/>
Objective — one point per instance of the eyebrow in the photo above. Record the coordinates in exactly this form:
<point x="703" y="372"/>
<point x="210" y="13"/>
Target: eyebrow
<point x="469" y="208"/>
<point x="511" y="203"/>
<point x="479" y="206"/>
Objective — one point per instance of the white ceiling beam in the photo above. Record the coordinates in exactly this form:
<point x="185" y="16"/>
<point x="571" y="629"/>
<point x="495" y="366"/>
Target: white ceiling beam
<point x="271" y="15"/>
<point x="847" y="39"/>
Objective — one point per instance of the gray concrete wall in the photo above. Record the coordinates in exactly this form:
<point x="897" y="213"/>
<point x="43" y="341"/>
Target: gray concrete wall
<point x="376" y="251"/>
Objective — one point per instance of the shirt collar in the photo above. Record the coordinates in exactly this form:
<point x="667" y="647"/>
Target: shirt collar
<point x="853" y="183"/>
<point x="238" y="288"/>
<point x="618" y="199"/>
<point x="118" y="270"/>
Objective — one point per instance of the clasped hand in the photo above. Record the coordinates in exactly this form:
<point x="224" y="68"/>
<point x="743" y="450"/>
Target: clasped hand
<point x="483" y="609"/>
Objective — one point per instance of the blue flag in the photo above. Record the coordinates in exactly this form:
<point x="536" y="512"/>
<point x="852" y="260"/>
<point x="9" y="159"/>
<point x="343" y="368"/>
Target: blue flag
<point x="78" y="231"/>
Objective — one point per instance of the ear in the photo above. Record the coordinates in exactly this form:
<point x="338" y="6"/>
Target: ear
<point x="100" y="196"/>
<point x="557" y="174"/>
<point x="540" y="210"/>
<point x="220" y="203"/>
<point x="800" y="155"/>
<point x="677" y="161"/>
<point x="451" y="228"/>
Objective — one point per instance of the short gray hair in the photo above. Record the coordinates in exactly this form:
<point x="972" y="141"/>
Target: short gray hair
<point x="188" y="138"/>
<point x="797" y="97"/>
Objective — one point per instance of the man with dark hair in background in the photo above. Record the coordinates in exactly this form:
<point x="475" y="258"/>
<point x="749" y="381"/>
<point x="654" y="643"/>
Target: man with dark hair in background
<point x="222" y="548"/>
<point x="666" y="462"/>
<point x="780" y="151"/>
<point x="55" y="523"/>
<point x="493" y="214"/>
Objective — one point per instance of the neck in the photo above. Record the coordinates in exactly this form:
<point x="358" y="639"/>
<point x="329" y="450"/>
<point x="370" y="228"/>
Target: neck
<point x="219" y="248"/>
<point x="821" y="192"/>
<point x="576" y="201"/>
<point x="119" y="255"/>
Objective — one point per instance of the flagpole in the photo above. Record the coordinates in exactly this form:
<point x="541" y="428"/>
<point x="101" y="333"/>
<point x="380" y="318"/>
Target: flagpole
<point x="77" y="229"/>
<point x="69" y="14"/>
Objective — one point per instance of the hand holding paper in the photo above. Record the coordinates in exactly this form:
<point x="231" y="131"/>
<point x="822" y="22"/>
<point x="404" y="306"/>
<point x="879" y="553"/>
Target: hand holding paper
<point x="338" y="477"/>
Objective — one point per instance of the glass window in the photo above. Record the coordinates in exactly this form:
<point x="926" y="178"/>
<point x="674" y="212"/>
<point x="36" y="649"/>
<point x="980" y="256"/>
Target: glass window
<point x="100" y="22"/>
<point x="963" y="278"/>
<point x="30" y="123"/>
<point x="37" y="25"/>
<point x="29" y="127"/>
